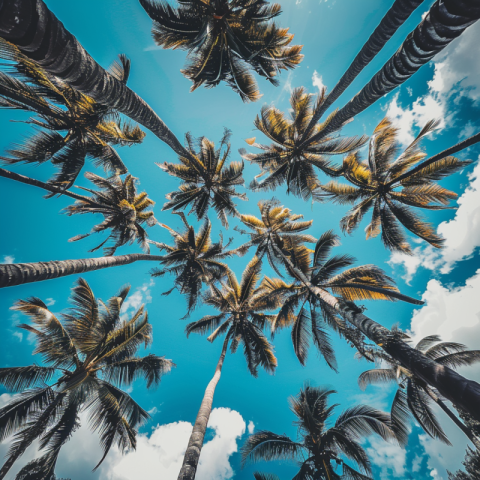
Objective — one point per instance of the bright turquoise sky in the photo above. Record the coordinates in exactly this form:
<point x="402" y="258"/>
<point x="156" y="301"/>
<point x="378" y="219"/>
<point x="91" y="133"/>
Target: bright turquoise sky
<point x="34" y="230"/>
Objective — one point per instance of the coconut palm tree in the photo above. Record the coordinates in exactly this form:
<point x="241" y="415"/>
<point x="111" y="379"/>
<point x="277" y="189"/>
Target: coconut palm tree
<point x="206" y="180"/>
<point x="277" y="228"/>
<point x="319" y="450"/>
<point x="193" y="259"/>
<point x="291" y="159"/>
<point x="463" y="395"/>
<point x="70" y="126"/>
<point x="414" y="396"/>
<point x="241" y="320"/>
<point x="471" y="466"/>
<point x="225" y="39"/>
<point x="123" y="209"/>
<point x="375" y="186"/>
<point x="306" y="314"/>
<point x="89" y="355"/>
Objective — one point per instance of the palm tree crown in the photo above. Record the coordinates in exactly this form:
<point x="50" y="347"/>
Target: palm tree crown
<point x="91" y="128"/>
<point x="366" y="282"/>
<point x="224" y="40"/>
<point x="375" y="186"/>
<point x="277" y="229"/>
<point x="241" y="317"/>
<point x="206" y="179"/>
<point x="90" y="353"/>
<point x="193" y="260"/>
<point x="291" y="158"/>
<point x="317" y="446"/>
<point x="124" y="211"/>
<point x="414" y="396"/>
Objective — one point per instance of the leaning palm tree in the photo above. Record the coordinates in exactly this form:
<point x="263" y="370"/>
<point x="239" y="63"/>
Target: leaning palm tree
<point x="224" y="40"/>
<point x="414" y="396"/>
<point x="319" y="450"/>
<point x="291" y="159"/>
<point x="193" y="259"/>
<point x="466" y="392"/>
<point x="307" y="314"/>
<point x="241" y="320"/>
<point x="206" y="180"/>
<point x="70" y="125"/>
<point x="89" y="354"/>
<point x="385" y="185"/>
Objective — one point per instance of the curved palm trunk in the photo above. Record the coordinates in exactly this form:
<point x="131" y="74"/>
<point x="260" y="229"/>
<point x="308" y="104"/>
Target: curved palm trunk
<point x="454" y="418"/>
<point x="20" y="273"/>
<point x="45" y="186"/>
<point x="459" y="390"/>
<point x="39" y="35"/>
<point x="195" y="444"/>
<point x="390" y="23"/>
<point x="449" y="151"/>
<point x="446" y="20"/>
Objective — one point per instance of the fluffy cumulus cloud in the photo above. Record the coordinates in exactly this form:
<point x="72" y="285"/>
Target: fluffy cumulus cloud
<point x="390" y="458"/>
<point x="317" y="81"/>
<point x="8" y="259"/>
<point x="461" y="234"/>
<point x="140" y="296"/>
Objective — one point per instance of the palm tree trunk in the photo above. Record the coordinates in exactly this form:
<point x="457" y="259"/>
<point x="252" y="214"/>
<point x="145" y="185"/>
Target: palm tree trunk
<point x="449" y="151"/>
<point x="40" y="36"/>
<point x="195" y="444"/>
<point x="446" y="20"/>
<point x="46" y="186"/>
<point x="390" y="23"/>
<point x="20" y="273"/>
<point x="461" y="391"/>
<point x="455" y="419"/>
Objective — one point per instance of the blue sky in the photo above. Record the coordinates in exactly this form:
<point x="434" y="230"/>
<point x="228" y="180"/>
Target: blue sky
<point x="332" y="32"/>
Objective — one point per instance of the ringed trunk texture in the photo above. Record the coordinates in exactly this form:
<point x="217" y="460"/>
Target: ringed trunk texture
<point x="461" y="391"/>
<point x="195" y="444"/>
<point x="20" y="273"/>
<point x="40" y="36"/>
<point x="446" y="20"/>
<point x="454" y="418"/>
<point x="45" y="186"/>
<point x="390" y="23"/>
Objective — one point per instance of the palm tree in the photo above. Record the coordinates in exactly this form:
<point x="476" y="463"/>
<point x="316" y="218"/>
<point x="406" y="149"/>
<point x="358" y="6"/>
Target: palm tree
<point x="206" y="179"/>
<point x="462" y="392"/>
<point x="413" y="396"/>
<point x="306" y="314"/>
<point x="89" y="355"/>
<point x="123" y="209"/>
<point x="277" y="228"/>
<point x="376" y="186"/>
<point x="224" y="40"/>
<point x="241" y="320"/>
<point x="318" y="447"/>
<point x="194" y="260"/>
<point x="291" y="159"/>
<point x="471" y="465"/>
<point x="71" y="125"/>
<point x="41" y="37"/>
<point x="265" y="476"/>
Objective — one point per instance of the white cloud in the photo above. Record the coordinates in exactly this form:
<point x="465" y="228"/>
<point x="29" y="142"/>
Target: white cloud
<point x="153" y="411"/>
<point x="417" y="463"/>
<point x="50" y="302"/>
<point x="461" y="234"/>
<point x="18" y="335"/>
<point x="8" y="259"/>
<point x="317" y="81"/>
<point x="134" y="301"/>
<point x="388" y="457"/>
<point x="251" y="427"/>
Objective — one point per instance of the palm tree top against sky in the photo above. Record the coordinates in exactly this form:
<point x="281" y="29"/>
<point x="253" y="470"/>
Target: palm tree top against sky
<point x="286" y="133"/>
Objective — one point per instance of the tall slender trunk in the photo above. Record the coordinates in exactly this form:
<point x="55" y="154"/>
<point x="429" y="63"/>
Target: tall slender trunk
<point x="390" y="23"/>
<point x="46" y="186"/>
<point x="454" y="418"/>
<point x="449" y="151"/>
<point x="195" y="444"/>
<point x="461" y="391"/>
<point x="40" y="36"/>
<point x="446" y="20"/>
<point x="20" y="273"/>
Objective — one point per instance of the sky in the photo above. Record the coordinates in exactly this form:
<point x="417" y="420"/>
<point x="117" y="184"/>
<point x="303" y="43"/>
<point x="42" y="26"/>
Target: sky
<point x="332" y="32"/>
